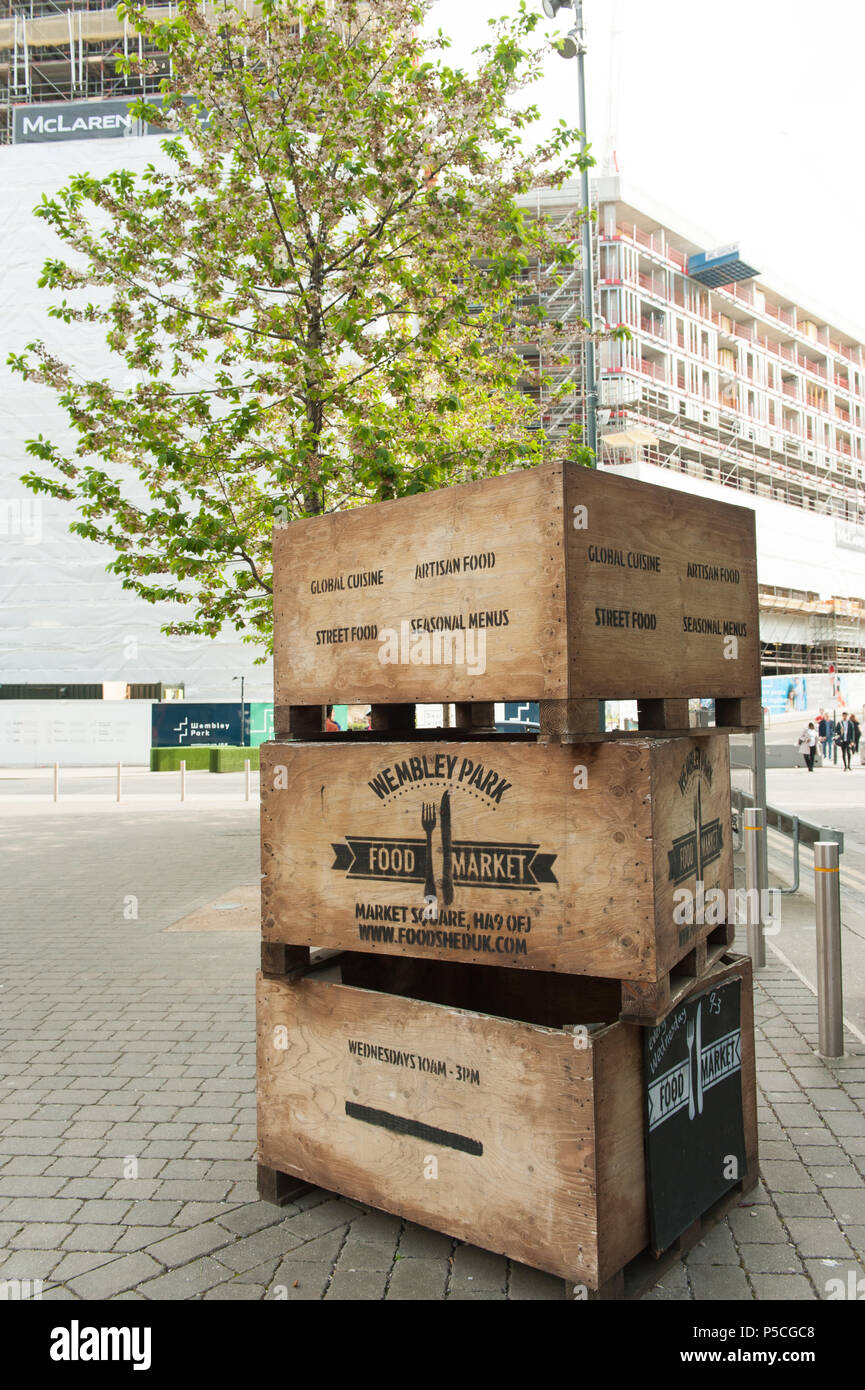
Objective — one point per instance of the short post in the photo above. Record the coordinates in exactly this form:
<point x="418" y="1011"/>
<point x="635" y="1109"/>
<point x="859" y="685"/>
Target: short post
<point x="119" y="779"/>
<point x="182" y="779"/>
<point x="827" y="896"/>
<point x="56" y="781"/>
<point x="246" y="777"/>
<point x="761" y="799"/>
<point x="755" y="830"/>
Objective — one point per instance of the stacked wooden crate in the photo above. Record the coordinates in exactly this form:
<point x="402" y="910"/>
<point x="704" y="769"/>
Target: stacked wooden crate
<point x="491" y="998"/>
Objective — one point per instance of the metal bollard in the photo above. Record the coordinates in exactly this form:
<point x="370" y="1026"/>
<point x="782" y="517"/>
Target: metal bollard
<point x="182" y="779"/>
<point x="56" y="781"/>
<point x="246" y="776"/>
<point x="755" y="833"/>
<point x="827" y="896"/>
<point x="119" y="779"/>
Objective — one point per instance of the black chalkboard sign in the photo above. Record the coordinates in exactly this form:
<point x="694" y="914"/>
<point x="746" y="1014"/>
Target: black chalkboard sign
<point x="695" y="1137"/>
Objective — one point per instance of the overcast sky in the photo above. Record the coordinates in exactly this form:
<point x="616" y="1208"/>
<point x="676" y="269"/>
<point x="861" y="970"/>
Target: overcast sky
<point x="744" y="116"/>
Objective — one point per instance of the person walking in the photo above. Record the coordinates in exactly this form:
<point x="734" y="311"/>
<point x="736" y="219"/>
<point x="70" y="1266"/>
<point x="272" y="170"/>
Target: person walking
<point x="845" y="736"/>
<point x="808" y="745"/>
<point x="824" y="734"/>
<point x="857" y="733"/>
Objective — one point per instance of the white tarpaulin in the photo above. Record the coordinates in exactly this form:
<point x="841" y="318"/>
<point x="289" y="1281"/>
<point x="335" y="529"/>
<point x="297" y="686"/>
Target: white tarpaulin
<point x="62" y="618"/>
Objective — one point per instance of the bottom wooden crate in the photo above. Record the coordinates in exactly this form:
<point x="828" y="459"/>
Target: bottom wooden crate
<point x="525" y="1139"/>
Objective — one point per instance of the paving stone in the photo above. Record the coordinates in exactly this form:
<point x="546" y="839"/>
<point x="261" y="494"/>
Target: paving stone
<point x="357" y="1255"/>
<point x="479" y="1268"/>
<point x="101" y="1213"/>
<point x="416" y="1242"/>
<point x="843" y="1123"/>
<point x="41" y="1209"/>
<point x="787" y="1177"/>
<point x="818" y="1236"/>
<point x="299" y="1280"/>
<point x="139" y="1237"/>
<point x="771" y="1259"/>
<point x="847" y="1203"/>
<point x="245" y="1221"/>
<point x="801" y="1204"/>
<point x="418" y="1280"/>
<point x="466" y="1295"/>
<point x="236" y="1292"/>
<point x="28" y="1264"/>
<point x="526" y="1284"/>
<point x="856" y="1236"/>
<point x="826" y="1269"/>
<point x="758" y="1225"/>
<point x="45" y="1235"/>
<point x="79" y="1262"/>
<point x="782" y="1287"/>
<point x="356" y="1285"/>
<point x="184" y="1282"/>
<point x="716" y="1248"/>
<point x="815" y="1155"/>
<point x="320" y="1219"/>
<point x="272" y="1242"/>
<point x="188" y="1245"/>
<point x="714" y="1282"/>
<point x="193" y="1213"/>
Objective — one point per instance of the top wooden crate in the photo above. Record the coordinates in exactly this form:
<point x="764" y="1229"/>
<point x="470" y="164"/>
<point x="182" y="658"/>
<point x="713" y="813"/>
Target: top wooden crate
<point x="550" y="584"/>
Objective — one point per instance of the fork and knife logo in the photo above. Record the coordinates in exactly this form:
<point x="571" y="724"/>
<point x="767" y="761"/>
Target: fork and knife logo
<point x="694" y="1034"/>
<point x="428" y="823"/>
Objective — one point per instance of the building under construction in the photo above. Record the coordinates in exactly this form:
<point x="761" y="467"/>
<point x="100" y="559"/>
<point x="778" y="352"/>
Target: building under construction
<point x="725" y="381"/>
<point x="68" y="51"/>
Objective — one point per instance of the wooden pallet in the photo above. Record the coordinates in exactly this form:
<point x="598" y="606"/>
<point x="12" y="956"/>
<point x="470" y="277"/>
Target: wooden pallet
<point x="532" y="996"/>
<point x="649" y="1004"/>
<point x="561" y="721"/>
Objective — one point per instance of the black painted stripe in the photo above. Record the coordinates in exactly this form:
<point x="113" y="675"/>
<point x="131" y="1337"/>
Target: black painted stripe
<point x="413" y="1127"/>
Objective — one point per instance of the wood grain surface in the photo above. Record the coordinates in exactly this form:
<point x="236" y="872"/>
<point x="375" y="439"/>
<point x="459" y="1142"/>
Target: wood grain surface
<point x="543" y="857"/>
<point x="552" y="583"/>
<point x="359" y="1091"/>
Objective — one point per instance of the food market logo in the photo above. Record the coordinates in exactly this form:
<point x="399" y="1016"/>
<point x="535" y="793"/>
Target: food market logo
<point x="697" y="848"/>
<point x="685" y="1084"/>
<point x="465" y="863"/>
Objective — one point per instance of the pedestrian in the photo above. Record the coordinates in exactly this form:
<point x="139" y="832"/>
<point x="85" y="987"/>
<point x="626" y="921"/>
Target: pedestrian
<point x="824" y="726"/>
<point x="857" y="732"/>
<point x="808" y="745"/>
<point x="845" y="736"/>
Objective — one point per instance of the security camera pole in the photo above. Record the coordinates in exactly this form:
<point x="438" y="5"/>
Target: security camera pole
<point x="574" y="46"/>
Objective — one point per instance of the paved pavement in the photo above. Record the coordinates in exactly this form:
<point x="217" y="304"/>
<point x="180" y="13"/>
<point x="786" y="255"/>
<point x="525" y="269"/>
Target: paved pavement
<point x="127" y="1127"/>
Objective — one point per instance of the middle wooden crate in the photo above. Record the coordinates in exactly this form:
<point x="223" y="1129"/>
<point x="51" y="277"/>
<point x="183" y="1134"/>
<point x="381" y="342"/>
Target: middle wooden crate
<point x="583" y="859"/>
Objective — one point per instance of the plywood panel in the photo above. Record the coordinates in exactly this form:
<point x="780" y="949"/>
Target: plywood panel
<point x="367" y="1089"/>
<point x="662" y="592"/>
<point x="478" y="568"/>
<point x="550" y="583"/>
<point x="543" y="857"/>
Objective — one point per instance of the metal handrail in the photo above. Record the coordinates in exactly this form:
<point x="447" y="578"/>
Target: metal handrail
<point x="800" y="832"/>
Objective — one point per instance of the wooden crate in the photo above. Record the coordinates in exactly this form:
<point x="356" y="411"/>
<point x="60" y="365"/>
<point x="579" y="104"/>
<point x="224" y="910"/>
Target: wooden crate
<point x="553" y="584"/>
<point x="525" y="1139"/>
<point x="561" y="859"/>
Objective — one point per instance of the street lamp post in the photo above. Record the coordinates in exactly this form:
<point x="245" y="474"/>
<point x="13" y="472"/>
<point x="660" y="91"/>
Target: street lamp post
<point x="242" y="680"/>
<point x="574" y="46"/>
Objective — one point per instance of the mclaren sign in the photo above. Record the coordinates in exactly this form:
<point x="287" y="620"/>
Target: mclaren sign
<point x="77" y="120"/>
